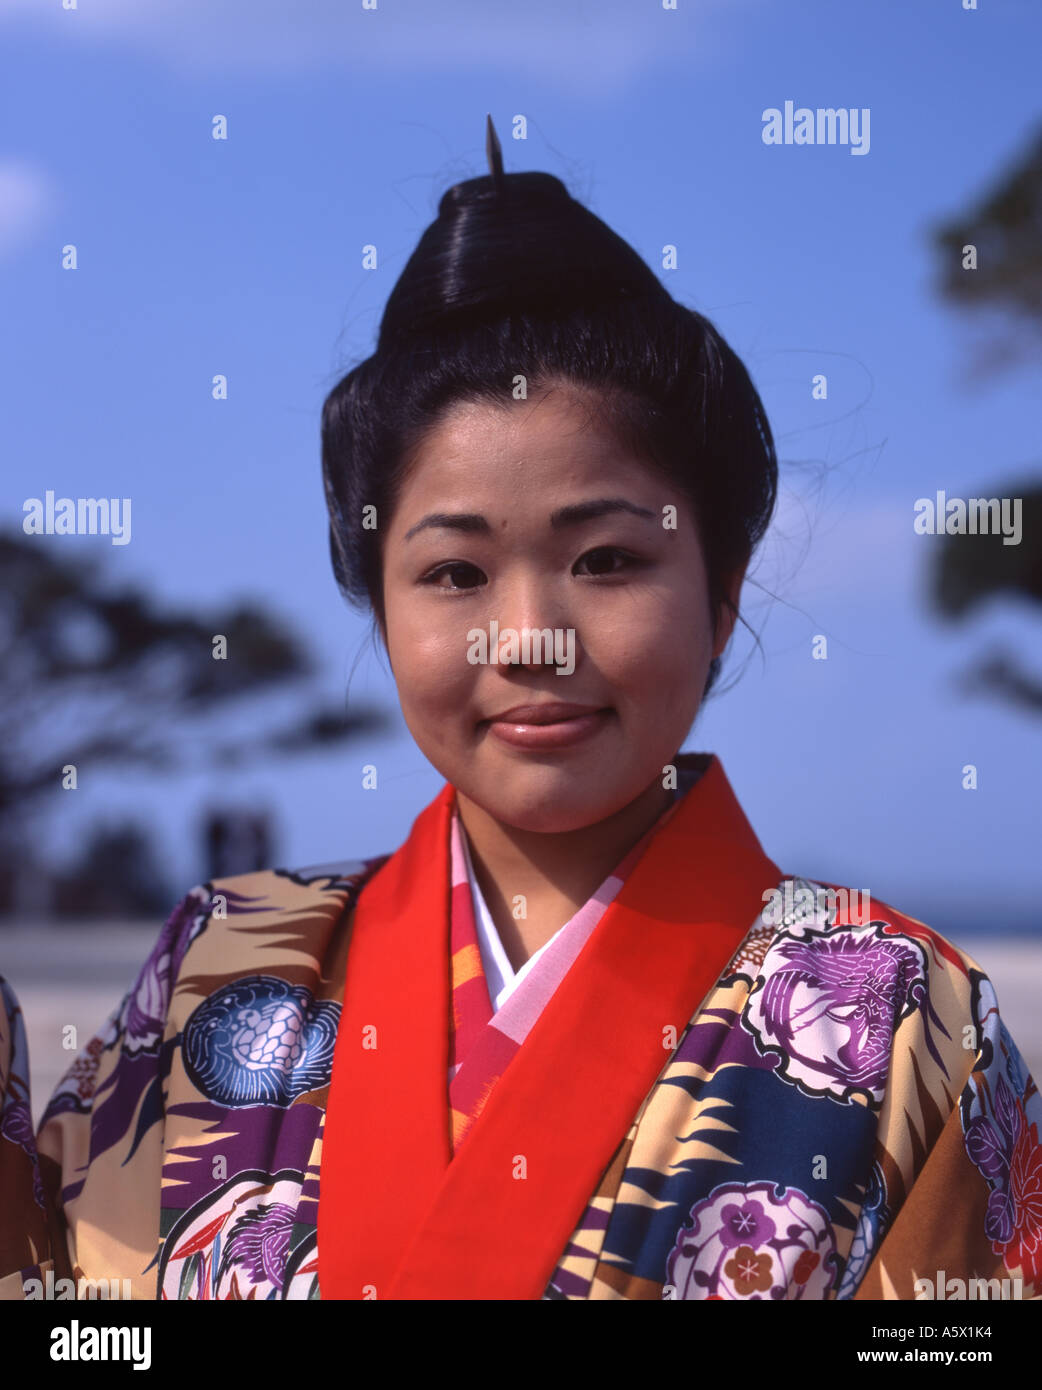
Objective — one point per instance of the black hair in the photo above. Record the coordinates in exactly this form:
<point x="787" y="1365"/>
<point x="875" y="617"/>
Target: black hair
<point x="516" y="278"/>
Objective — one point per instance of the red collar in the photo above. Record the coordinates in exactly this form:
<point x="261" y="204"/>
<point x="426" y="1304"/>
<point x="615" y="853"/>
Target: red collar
<point x="397" y="1219"/>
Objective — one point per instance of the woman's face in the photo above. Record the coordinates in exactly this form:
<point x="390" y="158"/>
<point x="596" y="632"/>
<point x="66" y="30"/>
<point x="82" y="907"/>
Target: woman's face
<point x="530" y="518"/>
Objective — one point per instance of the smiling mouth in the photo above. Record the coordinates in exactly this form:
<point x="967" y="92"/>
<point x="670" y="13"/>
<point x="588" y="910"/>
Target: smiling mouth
<point x="542" y="715"/>
<point x="547" y="726"/>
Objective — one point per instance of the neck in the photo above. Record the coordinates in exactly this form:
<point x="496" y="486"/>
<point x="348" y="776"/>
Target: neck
<point x="553" y="874"/>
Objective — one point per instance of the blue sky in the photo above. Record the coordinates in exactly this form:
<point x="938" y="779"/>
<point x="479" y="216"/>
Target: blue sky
<point x="345" y="126"/>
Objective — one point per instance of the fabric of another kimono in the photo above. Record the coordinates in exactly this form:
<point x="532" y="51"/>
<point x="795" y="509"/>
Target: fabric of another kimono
<point x="844" y="1115"/>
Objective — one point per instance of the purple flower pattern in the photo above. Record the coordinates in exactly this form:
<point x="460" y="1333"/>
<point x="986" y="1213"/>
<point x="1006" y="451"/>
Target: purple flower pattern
<point x="756" y="1241"/>
<point x="830" y="1003"/>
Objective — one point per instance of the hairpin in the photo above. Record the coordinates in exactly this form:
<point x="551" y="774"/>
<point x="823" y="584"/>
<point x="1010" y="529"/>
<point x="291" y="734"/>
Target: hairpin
<point x="494" y="152"/>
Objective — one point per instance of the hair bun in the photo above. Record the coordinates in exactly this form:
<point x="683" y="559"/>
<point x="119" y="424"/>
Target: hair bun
<point x="533" y="187"/>
<point x="516" y="242"/>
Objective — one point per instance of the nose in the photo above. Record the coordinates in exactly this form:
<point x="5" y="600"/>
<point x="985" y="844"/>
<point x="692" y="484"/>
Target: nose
<point x="532" y="627"/>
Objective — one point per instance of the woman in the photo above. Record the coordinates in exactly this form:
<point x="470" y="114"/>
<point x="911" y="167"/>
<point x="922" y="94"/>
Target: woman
<point x="578" y="1037"/>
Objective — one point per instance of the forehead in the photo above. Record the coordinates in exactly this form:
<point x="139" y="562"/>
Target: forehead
<point x="562" y="436"/>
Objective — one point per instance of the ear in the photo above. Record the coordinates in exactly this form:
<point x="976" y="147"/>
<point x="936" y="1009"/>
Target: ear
<point x="727" y="611"/>
<point x="380" y="628"/>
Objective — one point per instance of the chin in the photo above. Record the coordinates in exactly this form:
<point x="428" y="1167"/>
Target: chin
<point x="549" y="800"/>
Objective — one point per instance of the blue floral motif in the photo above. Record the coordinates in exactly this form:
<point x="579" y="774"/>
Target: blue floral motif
<point x="260" y="1041"/>
<point x="873" y="1220"/>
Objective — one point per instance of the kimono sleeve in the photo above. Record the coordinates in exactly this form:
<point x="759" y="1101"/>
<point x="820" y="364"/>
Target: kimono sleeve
<point x="954" y="1210"/>
<point x="95" y="1167"/>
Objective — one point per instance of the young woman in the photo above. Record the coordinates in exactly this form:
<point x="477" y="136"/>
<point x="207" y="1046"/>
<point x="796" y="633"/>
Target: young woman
<point x="578" y="1037"/>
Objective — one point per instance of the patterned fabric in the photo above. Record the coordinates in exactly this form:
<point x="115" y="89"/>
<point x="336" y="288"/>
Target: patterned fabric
<point x="826" y="1126"/>
<point x="843" y="1114"/>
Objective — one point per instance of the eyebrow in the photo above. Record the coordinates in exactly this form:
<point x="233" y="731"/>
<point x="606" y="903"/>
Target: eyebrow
<point x="574" y="515"/>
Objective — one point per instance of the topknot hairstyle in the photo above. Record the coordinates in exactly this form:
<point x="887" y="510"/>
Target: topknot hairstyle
<point x="516" y="277"/>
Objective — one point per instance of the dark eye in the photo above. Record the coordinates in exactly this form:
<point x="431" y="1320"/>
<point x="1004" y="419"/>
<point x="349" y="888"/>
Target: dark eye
<point x="602" y="560"/>
<point x="460" y="574"/>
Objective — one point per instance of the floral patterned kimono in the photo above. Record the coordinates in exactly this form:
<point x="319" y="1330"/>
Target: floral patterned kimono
<point x="714" y="1083"/>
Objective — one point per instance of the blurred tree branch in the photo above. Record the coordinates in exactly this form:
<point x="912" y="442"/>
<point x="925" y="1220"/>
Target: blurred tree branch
<point x="1005" y="226"/>
<point x="90" y="677"/>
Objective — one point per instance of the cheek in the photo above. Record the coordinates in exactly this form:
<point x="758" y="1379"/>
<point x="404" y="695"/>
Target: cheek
<point x="429" y="658"/>
<point x="658" y="645"/>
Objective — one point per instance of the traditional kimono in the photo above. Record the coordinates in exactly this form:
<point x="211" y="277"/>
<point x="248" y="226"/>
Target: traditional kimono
<point x="712" y="1083"/>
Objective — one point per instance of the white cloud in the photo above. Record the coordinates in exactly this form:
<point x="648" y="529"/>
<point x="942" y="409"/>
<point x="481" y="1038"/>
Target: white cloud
<point x="26" y="197"/>
<point x="582" y="44"/>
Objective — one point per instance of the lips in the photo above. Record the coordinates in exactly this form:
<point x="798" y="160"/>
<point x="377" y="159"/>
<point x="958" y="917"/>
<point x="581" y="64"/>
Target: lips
<point x="549" y="727"/>
<point x="553" y="712"/>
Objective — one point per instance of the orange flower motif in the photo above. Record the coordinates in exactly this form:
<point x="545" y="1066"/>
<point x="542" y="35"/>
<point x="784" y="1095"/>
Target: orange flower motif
<point x="748" y="1271"/>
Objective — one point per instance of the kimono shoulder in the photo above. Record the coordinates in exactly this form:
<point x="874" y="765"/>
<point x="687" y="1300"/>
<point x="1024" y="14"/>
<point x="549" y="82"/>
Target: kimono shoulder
<point x="846" y="1116"/>
<point x="862" y="1009"/>
<point x="235" y="1006"/>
